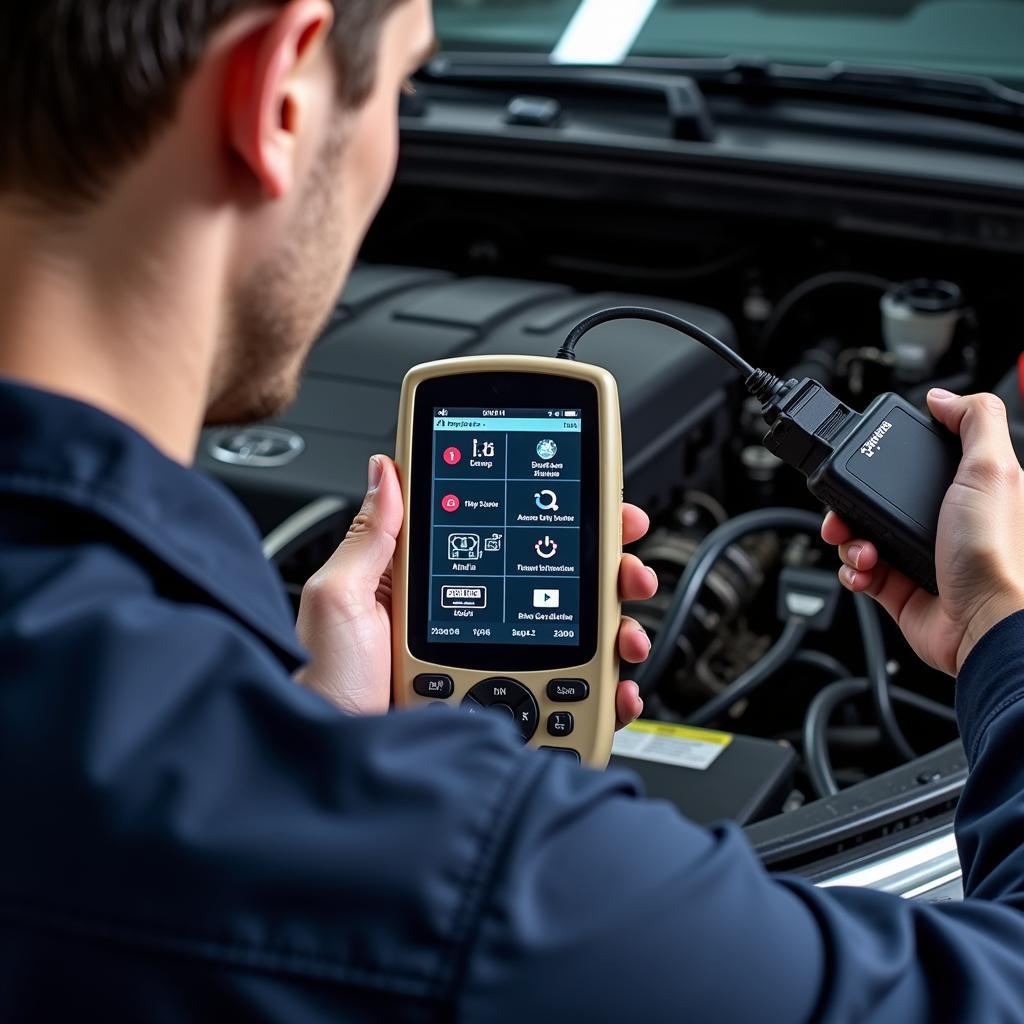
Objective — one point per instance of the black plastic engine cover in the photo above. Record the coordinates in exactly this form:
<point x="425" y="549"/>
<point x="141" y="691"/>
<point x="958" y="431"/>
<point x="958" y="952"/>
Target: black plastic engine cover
<point x="392" y="318"/>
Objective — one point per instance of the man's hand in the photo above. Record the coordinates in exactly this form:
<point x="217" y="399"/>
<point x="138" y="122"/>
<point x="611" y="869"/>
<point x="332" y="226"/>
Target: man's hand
<point x="979" y="553"/>
<point x="345" y="617"/>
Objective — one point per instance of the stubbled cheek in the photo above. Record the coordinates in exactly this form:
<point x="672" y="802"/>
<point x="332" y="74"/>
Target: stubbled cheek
<point x="377" y="144"/>
<point x="385" y="159"/>
<point x="392" y="158"/>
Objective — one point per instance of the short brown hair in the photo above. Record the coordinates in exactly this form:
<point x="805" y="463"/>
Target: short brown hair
<point x="88" y="83"/>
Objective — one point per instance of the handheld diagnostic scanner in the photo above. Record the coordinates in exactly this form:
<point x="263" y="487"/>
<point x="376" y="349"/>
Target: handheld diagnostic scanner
<point x="506" y="574"/>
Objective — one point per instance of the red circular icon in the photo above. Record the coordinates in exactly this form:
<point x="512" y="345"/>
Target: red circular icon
<point x="450" y="503"/>
<point x="452" y="456"/>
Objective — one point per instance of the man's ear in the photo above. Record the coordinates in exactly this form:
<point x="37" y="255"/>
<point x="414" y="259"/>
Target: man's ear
<point x="266" y="98"/>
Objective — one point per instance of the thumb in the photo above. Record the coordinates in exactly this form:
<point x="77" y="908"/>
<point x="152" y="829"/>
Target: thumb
<point x="980" y="420"/>
<point x="366" y="553"/>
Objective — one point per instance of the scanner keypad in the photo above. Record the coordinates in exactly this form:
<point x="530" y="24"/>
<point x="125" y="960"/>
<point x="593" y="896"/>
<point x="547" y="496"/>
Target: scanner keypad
<point x="502" y="695"/>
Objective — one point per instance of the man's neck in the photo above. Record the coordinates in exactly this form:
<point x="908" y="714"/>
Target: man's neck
<point x="125" y="324"/>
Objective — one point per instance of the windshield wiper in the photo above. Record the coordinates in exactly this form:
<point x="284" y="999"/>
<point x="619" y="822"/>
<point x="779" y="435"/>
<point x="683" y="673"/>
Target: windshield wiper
<point x="966" y="97"/>
<point x="970" y="97"/>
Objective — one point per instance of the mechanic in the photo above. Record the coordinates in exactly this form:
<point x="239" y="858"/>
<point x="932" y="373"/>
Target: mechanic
<point x="189" y="834"/>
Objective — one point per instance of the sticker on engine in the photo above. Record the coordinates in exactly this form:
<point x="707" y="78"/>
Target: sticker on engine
<point x="677" y="745"/>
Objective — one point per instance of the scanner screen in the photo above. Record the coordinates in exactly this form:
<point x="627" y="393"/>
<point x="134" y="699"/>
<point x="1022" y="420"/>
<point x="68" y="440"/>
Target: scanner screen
<point x="505" y="526"/>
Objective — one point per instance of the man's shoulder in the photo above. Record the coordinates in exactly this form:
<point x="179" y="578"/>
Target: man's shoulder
<point x="177" y="791"/>
<point x="101" y="608"/>
<point x="178" y="794"/>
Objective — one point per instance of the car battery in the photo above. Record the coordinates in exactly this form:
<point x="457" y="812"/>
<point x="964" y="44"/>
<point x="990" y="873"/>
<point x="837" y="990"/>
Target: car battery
<point x="710" y="776"/>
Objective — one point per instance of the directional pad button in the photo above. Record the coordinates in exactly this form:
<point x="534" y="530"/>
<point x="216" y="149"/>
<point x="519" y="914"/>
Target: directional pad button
<point x="505" y="694"/>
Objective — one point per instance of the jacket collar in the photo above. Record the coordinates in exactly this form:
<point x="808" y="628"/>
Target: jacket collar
<point x="58" y="449"/>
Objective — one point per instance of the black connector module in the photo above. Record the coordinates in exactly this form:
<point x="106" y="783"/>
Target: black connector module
<point x="885" y="470"/>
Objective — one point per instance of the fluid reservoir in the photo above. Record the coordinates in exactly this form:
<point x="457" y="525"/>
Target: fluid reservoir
<point x="919" y="319"/>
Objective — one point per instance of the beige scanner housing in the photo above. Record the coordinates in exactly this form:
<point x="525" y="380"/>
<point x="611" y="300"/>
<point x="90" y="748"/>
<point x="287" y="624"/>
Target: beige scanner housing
<point x="594" y="717"/>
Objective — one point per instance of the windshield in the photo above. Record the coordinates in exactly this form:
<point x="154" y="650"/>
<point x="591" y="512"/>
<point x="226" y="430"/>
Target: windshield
<point x="976" y="37"/>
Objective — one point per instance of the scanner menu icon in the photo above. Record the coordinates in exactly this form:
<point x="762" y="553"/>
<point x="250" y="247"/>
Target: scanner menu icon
<point x="546" y="548"/>
<point x="464" y="597"/>
<point x="547" y="501"/>
<point x="464" y="547"/>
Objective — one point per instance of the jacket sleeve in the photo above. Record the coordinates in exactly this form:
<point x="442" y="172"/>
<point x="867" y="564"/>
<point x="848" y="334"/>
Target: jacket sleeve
<point x="606" y="908"/>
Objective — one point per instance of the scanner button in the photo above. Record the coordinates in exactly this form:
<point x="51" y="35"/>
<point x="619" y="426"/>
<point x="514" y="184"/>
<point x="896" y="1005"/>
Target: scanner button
<point x="566" y="691"/>
<point x="471" y="706"/>
<point x="561" y="723"/>
<point x="512" y="698"/>
<point x="499" y="691"/>
<point x="527" y="717"/>
<point x="439" y="687"/>
<point x="574" y="754"/>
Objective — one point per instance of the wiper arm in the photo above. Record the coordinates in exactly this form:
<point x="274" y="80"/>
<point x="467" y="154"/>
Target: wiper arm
<point x="929" y="83"/>
<point x="970" y="96"/>
<point x="967" y="97"/>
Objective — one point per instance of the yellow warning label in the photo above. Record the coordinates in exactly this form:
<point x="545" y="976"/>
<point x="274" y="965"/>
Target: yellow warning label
<point x="683" y="732"/>
<point x="667" y="743"/>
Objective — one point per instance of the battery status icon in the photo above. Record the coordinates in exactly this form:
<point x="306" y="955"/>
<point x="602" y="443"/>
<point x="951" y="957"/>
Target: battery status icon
<point x="572" y="413"/>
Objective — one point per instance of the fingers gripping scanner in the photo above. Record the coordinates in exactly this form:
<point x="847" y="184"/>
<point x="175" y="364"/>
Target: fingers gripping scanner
<point x="506" y="574"/>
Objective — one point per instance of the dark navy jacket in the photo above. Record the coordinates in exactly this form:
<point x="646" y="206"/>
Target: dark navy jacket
<point x="188" y="835"/>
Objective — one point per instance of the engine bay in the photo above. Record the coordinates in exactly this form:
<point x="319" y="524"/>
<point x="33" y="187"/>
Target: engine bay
<point x="799" y="298"/>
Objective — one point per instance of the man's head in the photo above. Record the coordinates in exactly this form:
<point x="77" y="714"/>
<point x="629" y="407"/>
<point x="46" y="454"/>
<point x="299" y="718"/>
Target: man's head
<point x="269" y="125"/>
